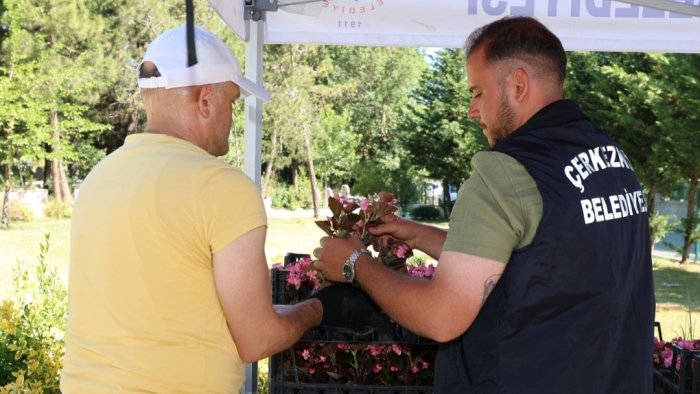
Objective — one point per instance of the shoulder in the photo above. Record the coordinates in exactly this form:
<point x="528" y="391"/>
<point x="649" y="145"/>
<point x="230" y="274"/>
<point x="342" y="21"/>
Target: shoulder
<point x="500" y="171"/>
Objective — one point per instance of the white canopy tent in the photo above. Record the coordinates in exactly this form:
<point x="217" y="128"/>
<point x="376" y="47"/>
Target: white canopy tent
<point x="582" y="25"/>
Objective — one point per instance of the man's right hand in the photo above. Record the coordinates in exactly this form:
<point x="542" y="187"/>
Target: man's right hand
<point x="405" y="230"/>
<point x="419" y="236"/>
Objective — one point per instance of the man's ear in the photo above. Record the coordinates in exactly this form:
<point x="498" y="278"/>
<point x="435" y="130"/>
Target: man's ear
<point x="521" y="84"/>
<point x="205" y="100"/>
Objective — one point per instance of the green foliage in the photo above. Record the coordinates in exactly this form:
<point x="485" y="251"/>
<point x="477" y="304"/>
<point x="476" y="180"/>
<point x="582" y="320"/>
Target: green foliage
<point x="436" y="130"/>
<point x="287" y="197"/>
<point x="19" y="211"/>
<point x="394" y="177"/>
<point x="32" y="323"/>
<point x="57" y="209"/>
<point x="417" y="260"/>
<point x="264" y="376"/>
<point x="88" y="157"/>
<point x="335" y="147"/>
<point x="660" y="225"/>
<point x="428" y="212"/>
<point x="688" y="330"/>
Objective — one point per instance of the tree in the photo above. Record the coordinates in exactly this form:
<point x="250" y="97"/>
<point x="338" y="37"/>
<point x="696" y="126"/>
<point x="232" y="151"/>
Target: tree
<point x="438" y="133"/>
<point x="679" y="116"/>
<point x="622" y="92"/>
<point x="21" y="118"/>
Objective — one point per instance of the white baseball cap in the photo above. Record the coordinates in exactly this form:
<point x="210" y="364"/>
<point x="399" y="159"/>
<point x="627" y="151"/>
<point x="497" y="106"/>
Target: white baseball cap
<point x="216" y="63"/>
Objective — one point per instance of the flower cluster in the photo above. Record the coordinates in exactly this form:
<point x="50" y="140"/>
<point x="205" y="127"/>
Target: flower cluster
<point x="663" y="351"/>
<point x="352" y="219"/>
<point x="422" y="270"/>
<point x="370" y="364"/>
<point x="302" y="271"/>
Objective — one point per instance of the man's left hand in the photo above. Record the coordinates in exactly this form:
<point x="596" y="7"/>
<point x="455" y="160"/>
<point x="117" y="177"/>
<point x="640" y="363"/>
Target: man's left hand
<point x="332" y="255"/>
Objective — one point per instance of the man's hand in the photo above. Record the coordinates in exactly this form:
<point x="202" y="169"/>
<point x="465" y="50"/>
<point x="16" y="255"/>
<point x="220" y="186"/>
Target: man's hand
<point x="419" y="236"/>
<point x="332" y="254"/>
<point x="405" y="230"/>
<point x="348" y="308"/>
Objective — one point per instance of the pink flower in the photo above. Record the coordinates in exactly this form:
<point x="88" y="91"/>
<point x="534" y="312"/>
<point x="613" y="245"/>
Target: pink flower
<point x="377" y="368"/>
<point x="341" y="346"/>
<point x="277" y="266"/>
<point x="425" y="365"/>
<point x="376" y="350"/>
<point x="322" y="358"/>
<point x="684" y="344"/>
<point x="364" y="205"/>
<point x="401" y="250"/>
<point x="306" y="354"/>
<point x="312" y="371"/>
<point x="414" y="369"/>
<point x="393" y="368"/>
<point x="396" y="349"/>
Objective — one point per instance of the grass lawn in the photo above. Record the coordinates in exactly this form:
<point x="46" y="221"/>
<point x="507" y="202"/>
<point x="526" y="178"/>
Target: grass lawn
<point x="677" y="287"/>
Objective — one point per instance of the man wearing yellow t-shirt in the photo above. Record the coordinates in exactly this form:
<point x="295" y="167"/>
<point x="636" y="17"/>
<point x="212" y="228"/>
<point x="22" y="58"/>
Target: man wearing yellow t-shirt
<point x="169" y="290"/>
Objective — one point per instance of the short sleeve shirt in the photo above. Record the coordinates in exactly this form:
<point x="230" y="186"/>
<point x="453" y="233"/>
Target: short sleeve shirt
<point x="498" y="209"/>
<point x="144" y="314"/>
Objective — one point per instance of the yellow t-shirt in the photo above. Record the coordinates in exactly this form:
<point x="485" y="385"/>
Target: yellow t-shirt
<point x="144" y="316"/>
<point x="497" y="211"/>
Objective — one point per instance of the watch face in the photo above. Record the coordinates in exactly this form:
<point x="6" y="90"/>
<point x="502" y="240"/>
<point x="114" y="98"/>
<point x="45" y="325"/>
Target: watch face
<point x="347" y="272"/>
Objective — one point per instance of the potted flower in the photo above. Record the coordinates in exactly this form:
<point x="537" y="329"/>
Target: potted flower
<point x="389" y="355"/>
<point x="673" y="366"/>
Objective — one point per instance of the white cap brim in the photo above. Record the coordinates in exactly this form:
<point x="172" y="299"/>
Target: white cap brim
<point x="249" y="87"/>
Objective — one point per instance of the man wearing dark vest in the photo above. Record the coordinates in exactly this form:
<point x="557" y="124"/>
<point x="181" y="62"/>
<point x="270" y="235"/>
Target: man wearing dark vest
<point x="544" y="282"/>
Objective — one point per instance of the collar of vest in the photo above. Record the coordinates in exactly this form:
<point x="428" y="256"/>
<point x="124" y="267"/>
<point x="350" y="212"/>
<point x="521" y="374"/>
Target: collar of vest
<point x="555" y="114"/>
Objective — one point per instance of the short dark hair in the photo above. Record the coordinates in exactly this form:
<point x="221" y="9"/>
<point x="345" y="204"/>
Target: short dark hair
<point x="520" y="37"/>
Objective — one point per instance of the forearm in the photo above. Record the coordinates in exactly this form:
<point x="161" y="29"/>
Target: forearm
<point x="430" y="240"/>
<point x="284" y="327"/>
<point x="403" y="298"/>
<point x="294" y="321"/>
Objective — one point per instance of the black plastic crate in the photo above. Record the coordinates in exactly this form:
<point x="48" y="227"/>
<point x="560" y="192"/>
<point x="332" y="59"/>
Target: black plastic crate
<point x="288" y="380"/>
<point x="678" y="379"/>
<point x="388" y="332"/>
<point x="294" y="388"/>
<point x="293" y="385"/>
<point x="696" y="375"/>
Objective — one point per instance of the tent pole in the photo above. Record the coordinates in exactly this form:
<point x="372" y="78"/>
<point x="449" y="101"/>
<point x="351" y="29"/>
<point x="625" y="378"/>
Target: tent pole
<point x="253" y="105"/>
<point x="252" y="150"/>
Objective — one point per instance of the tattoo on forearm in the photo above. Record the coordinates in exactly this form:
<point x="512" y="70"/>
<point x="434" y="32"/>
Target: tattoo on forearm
<point x="489" y="285"/>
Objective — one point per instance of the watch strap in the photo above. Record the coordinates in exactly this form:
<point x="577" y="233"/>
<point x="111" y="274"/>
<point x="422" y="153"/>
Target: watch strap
<point x="351" y="262"/>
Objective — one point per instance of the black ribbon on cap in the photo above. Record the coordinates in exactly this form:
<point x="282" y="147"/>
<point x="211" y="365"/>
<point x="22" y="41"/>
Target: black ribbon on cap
<point x="191" y="50"/>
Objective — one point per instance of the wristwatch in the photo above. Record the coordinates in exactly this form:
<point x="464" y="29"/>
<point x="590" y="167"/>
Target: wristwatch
<point x="349" y="266"/>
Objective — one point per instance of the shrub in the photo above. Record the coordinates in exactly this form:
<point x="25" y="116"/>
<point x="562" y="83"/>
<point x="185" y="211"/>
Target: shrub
<point x="264" y="376"/>
<point x="287" y="197"/>
<point x="32" y="323"/>
<point x="57" y="209"/>
<point x="425" y="212"/>
<point x="18" y="211"/>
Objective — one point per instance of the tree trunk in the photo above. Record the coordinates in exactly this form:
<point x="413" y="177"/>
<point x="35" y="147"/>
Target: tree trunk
<point x="270" y="162"/>
<point x="133" y="127"/>
<point x="55" y="176"/>
<point x="295" y="175"/>
<point x="312" y="173"/>
<point x="60" y="182"/>
<point x="65" y="188"/>
<point x="6" y="199"/>
<point x="651" y="207"/>
<point x="235" y="146"/>
<point x="446" y="199"/>
<point x="691" y="211"/>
